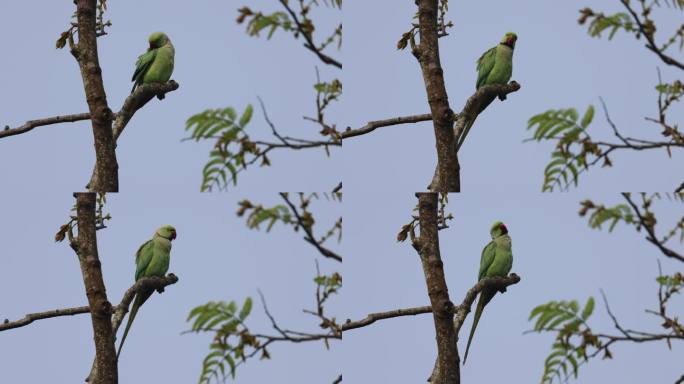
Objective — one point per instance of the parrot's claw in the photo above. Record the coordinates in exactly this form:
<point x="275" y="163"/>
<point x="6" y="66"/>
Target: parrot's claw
<point x="502" y="97"/>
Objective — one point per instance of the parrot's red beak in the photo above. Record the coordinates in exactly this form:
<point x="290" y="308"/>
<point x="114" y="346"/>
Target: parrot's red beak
<point x="173" y="235"/>
<point x="503" y="228"/>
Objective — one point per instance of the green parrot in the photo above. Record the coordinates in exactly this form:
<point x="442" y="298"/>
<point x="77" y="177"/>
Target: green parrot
<point x="152" y="259"/>
<point x="496" y="260"/>
<point x="155" y="65"/>
<point x="495" y="66"/>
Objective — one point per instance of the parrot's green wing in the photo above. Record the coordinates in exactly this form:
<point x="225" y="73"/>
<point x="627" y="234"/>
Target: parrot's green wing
<point x="142" y="66"/>
<point x="487" y="258"/>
<point x="484" y="66"/>
<point x="143" y="258"/>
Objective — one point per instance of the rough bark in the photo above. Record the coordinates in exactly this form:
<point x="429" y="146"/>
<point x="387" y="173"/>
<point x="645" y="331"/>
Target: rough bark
<point x="100" y="114"/>
<point x="475" y="105"/>
<point x="101" y="309"/>
<point x="136" y="100"/>
<point x="157" y="283"/>
<point x="443" y="309"/>
<point x="443" y="116"/>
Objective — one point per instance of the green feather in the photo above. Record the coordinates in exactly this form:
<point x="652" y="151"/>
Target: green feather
<point x="151" y="259"/>
<point x="155" y="65"/>
<point x="496" y="260"/>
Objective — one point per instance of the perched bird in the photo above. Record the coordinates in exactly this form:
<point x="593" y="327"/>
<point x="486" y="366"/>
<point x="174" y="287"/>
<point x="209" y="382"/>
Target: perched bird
<point x="155" y="65"/>
<point x="152" y="259"/>
<point x="496" y="260"/>
<point x="495" y="66"/>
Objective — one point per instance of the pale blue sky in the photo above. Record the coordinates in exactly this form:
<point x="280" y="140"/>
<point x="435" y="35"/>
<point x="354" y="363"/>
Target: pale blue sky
<point x="556" y="254"/>
<point x="216" y="257"/>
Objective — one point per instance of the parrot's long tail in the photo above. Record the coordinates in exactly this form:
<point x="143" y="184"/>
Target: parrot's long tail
<point x="140" y="298"/>
<point x="476" y="319"/>
<point x="469" y="125"/>
<point x="485" y="297"/>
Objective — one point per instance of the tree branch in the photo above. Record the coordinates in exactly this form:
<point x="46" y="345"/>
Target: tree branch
<point x="307" y="36"/>
<point x="373" y="125"/>
<point x="461" y="310"/>
<point x="101" y="116"/>
<point x="427" y="246"/>
<point x="309" y="236"/>
<point x="651" y="45"/>
<point x="31" y="317"/>
<point x="151" y="282"/>
<point x="473" y="107"/>
<point x="157" y="283"/>
<point x="101" y="310"/>
<point x="136" y="100"/>
<point x="498" y="282"/>
<point x="29" y="125"/>
<point x="373" y="317"/>
<point x="427" y="53"/>
<point x="652" y="237"/>
<point x="132" y="104"/>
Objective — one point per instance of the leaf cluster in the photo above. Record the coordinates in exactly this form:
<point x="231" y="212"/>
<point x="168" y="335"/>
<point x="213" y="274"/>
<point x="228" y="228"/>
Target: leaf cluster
<point x="573" y="337"/>
<point x="232" y="339"/>
<point x="233" y="149"/>
<point x="574" y="147"/>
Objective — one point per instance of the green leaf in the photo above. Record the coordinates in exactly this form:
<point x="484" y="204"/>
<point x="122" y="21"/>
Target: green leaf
<point x="246" y="116"/>
<point x="588" y="308"/>
<point x="588" y="117"/>
<point x="246" y="309"/>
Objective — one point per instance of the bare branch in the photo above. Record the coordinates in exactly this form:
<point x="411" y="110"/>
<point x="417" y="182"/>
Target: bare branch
<point x="31" y="317"/>
<point x="373" y="317"/>
<point x="151" y="282"/>
<point x="373" y="125"/>
<point x="29" y="125"/>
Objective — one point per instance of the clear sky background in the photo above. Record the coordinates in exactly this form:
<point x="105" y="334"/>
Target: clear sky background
<point x="555" y="253"/>
<point x="216" y="257"/>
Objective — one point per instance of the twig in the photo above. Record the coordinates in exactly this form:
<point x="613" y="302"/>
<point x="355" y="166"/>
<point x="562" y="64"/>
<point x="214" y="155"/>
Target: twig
<point x="309" y="42"/>
<point x="309" y="236"/>
<point x="652" y="237"/>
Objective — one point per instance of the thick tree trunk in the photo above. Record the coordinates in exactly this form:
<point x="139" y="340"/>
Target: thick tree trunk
<point x="448" y="363"/>
<point x="100" y="308"/>
<point x="442" y="115"/>
<point x="100" y="114"/>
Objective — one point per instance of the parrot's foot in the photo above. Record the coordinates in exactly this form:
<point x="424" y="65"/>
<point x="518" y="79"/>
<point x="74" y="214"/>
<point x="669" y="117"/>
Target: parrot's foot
<point x="502" y="289"/>
<point x="160" y="290"/>
<point x="502" y="97"/>
<point x="161" y="96"/>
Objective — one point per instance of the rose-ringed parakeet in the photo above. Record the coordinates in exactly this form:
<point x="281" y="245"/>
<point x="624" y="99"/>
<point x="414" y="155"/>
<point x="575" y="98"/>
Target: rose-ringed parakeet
<point x="152" y="259"/>
<point x="155" y="65"/>
<point x="496" y="260"/>
<point x="495" y="66"/>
